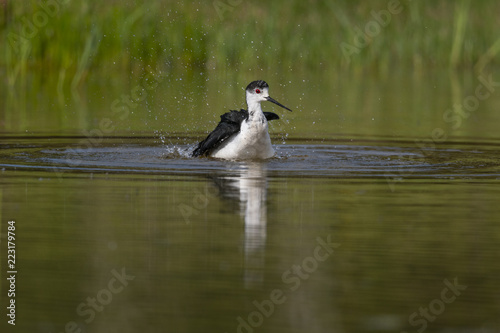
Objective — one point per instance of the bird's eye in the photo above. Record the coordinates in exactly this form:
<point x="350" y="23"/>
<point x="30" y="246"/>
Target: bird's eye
<point x="257" y="91"/>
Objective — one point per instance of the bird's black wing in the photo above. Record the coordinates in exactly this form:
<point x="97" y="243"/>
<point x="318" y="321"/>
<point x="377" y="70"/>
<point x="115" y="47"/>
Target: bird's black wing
<point x="271" y="116"/>
<point x="234" y="116"/>
<point x="229" y="125"/>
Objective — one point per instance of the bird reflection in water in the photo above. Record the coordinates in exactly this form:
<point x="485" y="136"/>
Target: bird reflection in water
<point x="248" y="187"/>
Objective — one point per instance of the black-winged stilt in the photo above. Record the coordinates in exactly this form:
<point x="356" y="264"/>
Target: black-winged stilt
<point x="243" y="134"/>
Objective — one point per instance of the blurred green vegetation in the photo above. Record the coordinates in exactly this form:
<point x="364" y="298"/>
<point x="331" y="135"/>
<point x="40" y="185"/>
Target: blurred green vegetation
<point x="69" y="38"/>
<point x="66" y="65"/>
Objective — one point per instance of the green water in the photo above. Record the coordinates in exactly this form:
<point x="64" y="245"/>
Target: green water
<point x="200" y="247"/>
<point x="118" y="229"/>
<point x="328" y="105"/>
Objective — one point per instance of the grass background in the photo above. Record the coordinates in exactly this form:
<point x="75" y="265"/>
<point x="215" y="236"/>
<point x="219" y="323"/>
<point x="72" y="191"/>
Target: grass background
<point x="63" y="64"/>
<point x="211" y="36"/>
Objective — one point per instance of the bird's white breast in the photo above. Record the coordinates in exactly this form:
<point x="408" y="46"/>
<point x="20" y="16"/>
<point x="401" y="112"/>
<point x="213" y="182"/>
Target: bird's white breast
<point x="251" y="142"/>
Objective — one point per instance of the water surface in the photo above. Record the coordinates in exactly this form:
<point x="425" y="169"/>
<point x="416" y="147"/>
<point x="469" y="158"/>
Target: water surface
<point x="354" y="235"/>
<point x="379" y="213"/>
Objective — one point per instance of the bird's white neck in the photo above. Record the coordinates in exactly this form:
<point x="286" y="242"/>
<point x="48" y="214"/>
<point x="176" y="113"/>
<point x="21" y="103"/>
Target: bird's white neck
<point x="254" y="109"/>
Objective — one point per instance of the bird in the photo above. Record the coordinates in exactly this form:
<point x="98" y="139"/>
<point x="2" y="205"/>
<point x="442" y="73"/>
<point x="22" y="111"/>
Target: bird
<point x="243" y="134"/>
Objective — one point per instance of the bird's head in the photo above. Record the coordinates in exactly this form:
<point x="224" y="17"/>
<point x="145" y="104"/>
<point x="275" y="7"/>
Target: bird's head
<point x="258" y="91"/>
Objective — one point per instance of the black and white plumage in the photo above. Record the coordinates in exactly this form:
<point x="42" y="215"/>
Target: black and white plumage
<point x="229" y="125"/>
<point x="242" y="134"/>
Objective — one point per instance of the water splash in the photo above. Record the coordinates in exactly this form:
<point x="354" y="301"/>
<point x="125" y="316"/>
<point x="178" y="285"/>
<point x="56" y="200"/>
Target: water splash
<point x="177" y="152"/>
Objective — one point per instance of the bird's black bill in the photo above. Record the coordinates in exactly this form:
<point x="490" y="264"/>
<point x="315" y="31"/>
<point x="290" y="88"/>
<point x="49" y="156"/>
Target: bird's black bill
<point x="277" y="103"/>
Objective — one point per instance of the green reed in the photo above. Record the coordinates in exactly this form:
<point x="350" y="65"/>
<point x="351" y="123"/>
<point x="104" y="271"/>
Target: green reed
<point x="79" y="37"/>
